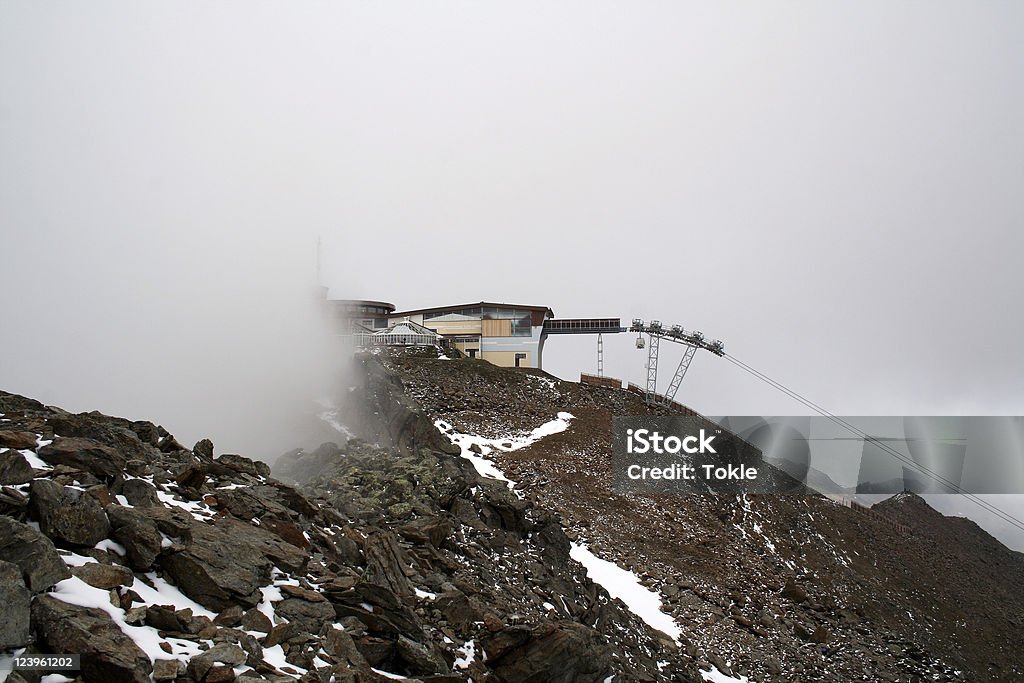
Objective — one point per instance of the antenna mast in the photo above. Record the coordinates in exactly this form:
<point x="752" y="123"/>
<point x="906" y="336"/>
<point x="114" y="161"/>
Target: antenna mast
<point x="319" y="281"/>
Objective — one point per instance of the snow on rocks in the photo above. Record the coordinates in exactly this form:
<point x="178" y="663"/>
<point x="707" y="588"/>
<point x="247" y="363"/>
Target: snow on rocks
<point x="625" y="585"/>
<point x="716" y="676"/>
<point x="75" y="591"/>
<point x="331" y="416"/>
<point x="476" y="448"/>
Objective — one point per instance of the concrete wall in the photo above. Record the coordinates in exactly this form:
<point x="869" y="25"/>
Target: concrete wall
<point x="507" y="359"/>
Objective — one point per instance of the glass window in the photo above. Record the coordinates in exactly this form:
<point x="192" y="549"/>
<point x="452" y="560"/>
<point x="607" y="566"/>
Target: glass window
<point x="521" y="327"/>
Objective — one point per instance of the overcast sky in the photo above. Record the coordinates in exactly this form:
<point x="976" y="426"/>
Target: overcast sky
<point x="833" y="189"/>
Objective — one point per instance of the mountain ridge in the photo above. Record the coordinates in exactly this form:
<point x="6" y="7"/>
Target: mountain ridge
<point x="441" y="544"/>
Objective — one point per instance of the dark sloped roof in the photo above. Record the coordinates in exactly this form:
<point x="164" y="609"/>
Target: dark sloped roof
<point x="481" y="304"/>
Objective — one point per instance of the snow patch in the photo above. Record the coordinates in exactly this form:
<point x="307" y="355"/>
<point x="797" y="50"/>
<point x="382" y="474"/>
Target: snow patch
<point x="163" y="593"/>
<point x="467" y="655"/>
<point x="35" y="461"/>
<point x="484" y="466"/>
<point x="626" y="586"/>
<point x="74" y="591"/>
<point x="716" y="676"/>
<point x="111" y="547"/>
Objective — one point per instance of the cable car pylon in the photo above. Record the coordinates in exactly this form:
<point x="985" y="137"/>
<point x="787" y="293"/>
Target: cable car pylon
<point x="690" y="340"/>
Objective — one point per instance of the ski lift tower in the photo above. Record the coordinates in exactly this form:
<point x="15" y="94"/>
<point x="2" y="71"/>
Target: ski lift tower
<point x="691" y="341"/>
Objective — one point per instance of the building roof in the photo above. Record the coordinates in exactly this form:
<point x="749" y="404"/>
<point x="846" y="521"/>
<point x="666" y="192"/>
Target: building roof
<point x="407" y="327"/>
<point x="481" y="304"/>
<point x="348" y="303"/>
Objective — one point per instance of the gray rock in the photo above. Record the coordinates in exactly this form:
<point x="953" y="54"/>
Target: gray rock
<point x="34" y="553"/>
<point x="167" y="669"/>
<point x="140" y="493"/>
<point x="564" y="651"/>
<point x="67" y="514"/>
<point x="792" y="591"/>
<point x="15" y="598"/>
<point x="239" y="463"/>
<point x="163" y="619"/>
<point x="255" y="620"/>
<point x="18" y="440"/>
<point x="191" y="476"/>
<point x="203" y="448"/>
<point x="282" y="554"/>
<point x="137" y="533"/>
<point x="385" y="563"/>
<point x="105" y="576"/>
<point x="457" y="608"/>
<point x="282" y="632"/>
<point x="219" y="569"/>
<point x="338" y="643"/>
<point x="420" y="658"/>
<point x="229" y="617"/>
<point x="86" y="455"/>
<point x="310" y="615"/>
<point x="107" y="653"/>
<point x="14" y="468"/>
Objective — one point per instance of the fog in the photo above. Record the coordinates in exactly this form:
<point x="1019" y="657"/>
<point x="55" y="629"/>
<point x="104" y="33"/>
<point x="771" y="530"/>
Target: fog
<point x="204" y="331"/>
<point x="832" y="189"/>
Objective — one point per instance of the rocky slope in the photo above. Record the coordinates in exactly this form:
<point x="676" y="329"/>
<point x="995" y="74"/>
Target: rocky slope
<point x="158" y="562"/>
<point x="409" y="554"/>
<point x="780" y="588"/>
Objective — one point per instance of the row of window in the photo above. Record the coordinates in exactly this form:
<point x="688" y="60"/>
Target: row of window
<point x="487" y="313"/>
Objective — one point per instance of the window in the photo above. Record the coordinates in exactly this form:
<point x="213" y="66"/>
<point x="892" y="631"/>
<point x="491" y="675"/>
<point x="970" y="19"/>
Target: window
<point x="521" y="327"/>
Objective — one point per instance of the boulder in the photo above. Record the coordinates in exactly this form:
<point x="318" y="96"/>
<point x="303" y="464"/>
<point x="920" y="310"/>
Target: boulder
<point x="282" y="554"/>
<point x="218" y="569"/>
<point x="432" y="530"/>
<point x="86" y="455"/>
<point x="204" y="449"/>
<point x="113" y="432"/>
<point x="67" y="514"/>
<point x="255" y="620"/>
<point x="140" y="493"/>
<point x="13" y="502"/>
<point x="456" y="608"/>
<point x="792" y="591"/>
<point x="385" y="563"/>
<point x="338" y="643"/>
<point x="107" y="653"/>
<point x="311" y="616"/>
<point x="220" y="673"/>
<point x="191" y="476"/>
<point x="15" y="598"/>
<point x="420" y="658"/>
<point x="548" y="653"/>
<point x="229" y="617"/>
<point x="242" y="464"/>
<point x="137" y="533"/>
<point x="164" y="619"/>
<point x="285" y="530"/>
<point x="18" y="440"/>
<point x="105" y="576"/>
<point x="34" y="553"/>
<point x="14" y="468"/>
<point x="167" y="669"/>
